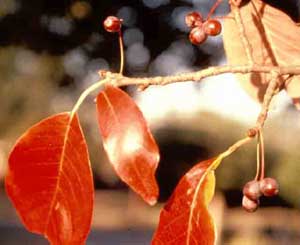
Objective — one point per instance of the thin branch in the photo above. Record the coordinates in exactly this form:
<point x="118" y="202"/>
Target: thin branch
<point x="86" y="94"/>
<point x="117" y="79"/>
<point x="271" y="91"/>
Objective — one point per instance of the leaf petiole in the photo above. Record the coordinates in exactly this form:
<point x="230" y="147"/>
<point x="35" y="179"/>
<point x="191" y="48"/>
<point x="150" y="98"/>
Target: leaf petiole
<point x="85" y="94"/>
<point x="229" y="151"/>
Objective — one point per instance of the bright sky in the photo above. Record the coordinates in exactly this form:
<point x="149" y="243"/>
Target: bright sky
<point x="220" y="94"/>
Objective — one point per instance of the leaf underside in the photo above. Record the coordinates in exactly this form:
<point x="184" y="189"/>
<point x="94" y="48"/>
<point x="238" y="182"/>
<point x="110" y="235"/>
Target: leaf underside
<point x="274" y="40"/>
<point x="50" y="181"/>
<point x="128" y="142"/>
<point x="185" y="219"/>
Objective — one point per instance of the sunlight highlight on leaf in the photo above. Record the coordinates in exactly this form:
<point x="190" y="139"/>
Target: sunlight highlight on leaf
<point x="128" y="142"/>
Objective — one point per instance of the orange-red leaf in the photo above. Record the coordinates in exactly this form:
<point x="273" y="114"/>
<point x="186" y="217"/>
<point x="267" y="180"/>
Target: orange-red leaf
<point x="274" y="40"/>
<point x="128" y="142"/>
<point x="185" y="219"/>
<point x="50" y="182"/>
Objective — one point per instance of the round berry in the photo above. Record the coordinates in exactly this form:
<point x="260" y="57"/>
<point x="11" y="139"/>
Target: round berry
<point x="197" y="35"/>
<point x="212" y="27"/>
<point x="269" y="187"/>
<point x="112" y="24"/>
<point x="193" y="19"/>
<point x="250" y="205"/>
<point x="252" y="190"/>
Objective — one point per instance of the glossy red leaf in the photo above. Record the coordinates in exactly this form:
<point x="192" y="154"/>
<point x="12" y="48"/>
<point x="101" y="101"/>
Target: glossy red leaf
<point x="185" y="219"/>
<point x="50" y="181"/>
<point x="128" y="142"/>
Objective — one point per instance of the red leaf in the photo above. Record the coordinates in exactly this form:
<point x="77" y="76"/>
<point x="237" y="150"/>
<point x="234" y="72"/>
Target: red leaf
<point x="185" y="218"/>
<point x="128" y="142"/>
<point x="50" y="182"/>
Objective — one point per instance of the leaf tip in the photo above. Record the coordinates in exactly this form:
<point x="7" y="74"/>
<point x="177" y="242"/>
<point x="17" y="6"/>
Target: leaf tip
<point x="152" y="201"/>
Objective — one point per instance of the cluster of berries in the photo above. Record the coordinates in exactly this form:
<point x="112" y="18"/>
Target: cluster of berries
<point x="254" y="189"/>
<point x="200" y="29"/>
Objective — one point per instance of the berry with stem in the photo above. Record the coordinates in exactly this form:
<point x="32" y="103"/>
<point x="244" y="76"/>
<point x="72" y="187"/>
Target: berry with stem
<point x="112" y="24"/>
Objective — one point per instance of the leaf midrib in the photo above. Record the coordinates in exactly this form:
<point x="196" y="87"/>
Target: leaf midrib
<point x="68" y="128"/>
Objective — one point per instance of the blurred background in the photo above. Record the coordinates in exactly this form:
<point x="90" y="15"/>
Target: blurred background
<point x="51" y="50"/>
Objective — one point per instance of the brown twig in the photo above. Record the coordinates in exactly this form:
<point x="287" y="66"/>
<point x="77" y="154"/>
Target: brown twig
<point x="271" y="91"/>
<point x="117" y="79"/>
